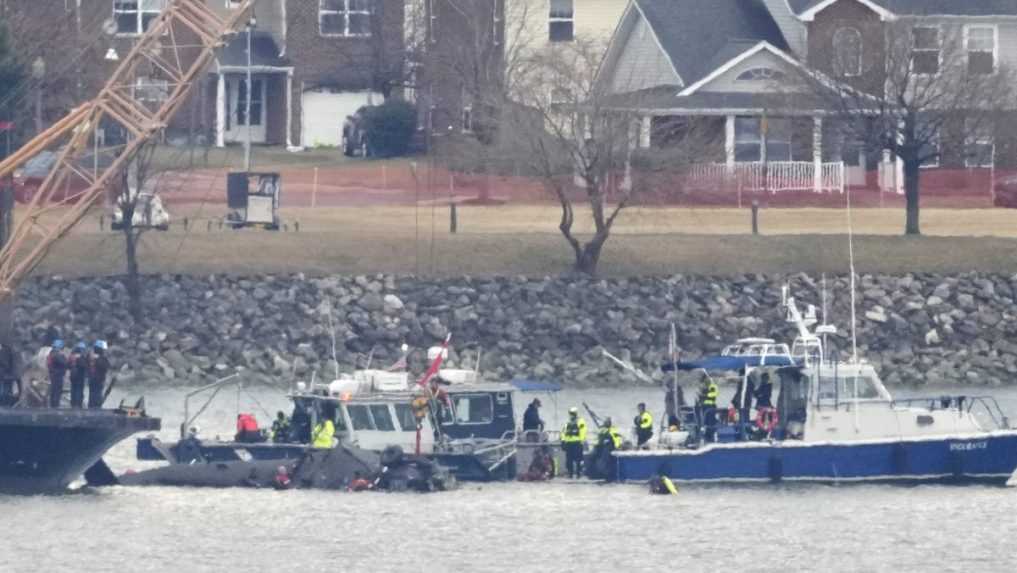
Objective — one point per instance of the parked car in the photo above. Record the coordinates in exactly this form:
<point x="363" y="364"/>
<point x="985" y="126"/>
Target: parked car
<point x="1006" y="192"/>
<point x="148" y="212"/>
<point x="355" y="134"/>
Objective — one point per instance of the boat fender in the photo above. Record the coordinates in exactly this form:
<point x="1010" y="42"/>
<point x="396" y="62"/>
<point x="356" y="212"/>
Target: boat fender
<point x="419" y="406"/>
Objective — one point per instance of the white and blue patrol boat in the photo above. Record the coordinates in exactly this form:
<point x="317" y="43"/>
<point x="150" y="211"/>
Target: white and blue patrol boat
<point x="836" y="422"/>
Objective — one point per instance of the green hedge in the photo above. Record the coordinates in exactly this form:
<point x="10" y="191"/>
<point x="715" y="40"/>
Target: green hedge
<point x="389" y="128"/>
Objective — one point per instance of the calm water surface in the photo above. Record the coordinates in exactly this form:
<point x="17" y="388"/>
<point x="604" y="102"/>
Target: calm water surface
<point x="555" y="526"/>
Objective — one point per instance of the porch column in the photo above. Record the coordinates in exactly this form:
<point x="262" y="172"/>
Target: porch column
<point x="289" y="109"/>
<point x="729" y="143"/>
<point x="817" y="154"/>
<point x="644" y="132"/>
<point x="220" y="111"/>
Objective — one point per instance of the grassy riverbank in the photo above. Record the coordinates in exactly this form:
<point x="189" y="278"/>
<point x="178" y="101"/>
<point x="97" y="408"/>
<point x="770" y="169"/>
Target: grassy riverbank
<point x="523" y="240"/>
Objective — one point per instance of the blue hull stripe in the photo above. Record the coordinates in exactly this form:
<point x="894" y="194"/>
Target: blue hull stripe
<point x="992" y="457"/>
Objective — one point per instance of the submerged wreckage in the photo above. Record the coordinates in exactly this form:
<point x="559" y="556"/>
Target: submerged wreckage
<point x="457" y="428"/>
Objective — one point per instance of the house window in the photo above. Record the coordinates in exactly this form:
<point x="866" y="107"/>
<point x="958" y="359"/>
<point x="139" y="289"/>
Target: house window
<point x="133" y="17"/>
<point x="847" y="52"/>
<point x="748" y="139"/>
<point x="150" y="90"/>
<point x="777" y="134"/>
<point x="980" y="42"/>
<point x="256" y="102"/>
<point x="980" y="147"/>
<point x="467" y="118"/>
<point x="925" y="46"/>
<point x="760" y="75"/>
<point x="561" y="21"/>
<point x="344" y="17"/>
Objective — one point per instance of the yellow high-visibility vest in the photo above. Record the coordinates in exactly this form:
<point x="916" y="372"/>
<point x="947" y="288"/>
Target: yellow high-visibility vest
<point x="323" y="434"/>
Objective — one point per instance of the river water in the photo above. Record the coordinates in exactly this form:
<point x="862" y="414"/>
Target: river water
<point x="555" y="526"/>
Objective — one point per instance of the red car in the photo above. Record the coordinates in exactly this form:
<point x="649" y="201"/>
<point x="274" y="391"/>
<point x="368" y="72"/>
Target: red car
<point x="29" y="177"/>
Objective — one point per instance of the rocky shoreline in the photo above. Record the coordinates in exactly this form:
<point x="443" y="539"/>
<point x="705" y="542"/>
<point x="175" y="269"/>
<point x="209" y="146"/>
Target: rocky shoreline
<point x="917" y="328"/>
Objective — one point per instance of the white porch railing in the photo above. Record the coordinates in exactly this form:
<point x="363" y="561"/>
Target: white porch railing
<point x="773" y="176"/>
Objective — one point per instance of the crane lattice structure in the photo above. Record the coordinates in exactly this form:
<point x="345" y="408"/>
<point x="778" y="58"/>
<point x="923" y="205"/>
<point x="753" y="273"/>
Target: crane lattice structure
<point x="176" y="48"/>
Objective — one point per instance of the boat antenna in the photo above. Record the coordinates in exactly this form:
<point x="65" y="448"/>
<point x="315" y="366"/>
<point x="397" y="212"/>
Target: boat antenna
<point x="331" y="330"/>
<point x="851" y="264"/>
<point x="370" y="357"/>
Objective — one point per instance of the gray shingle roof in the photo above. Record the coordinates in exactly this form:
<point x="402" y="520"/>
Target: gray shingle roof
<point x="696" y="33"/>
<point x="265" y="52"/>
<point x="932" y="7"/>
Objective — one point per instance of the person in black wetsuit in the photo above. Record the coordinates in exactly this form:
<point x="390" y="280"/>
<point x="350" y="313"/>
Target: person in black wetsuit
<point x="56" y="367"/>
<point x="8" y="375"/>
<point x="532" y="424"/>
<point x="98" y="368"/>
<point x="766" y="414"/>
<point x="78" y="364"/>
<point x="300" y="424"/>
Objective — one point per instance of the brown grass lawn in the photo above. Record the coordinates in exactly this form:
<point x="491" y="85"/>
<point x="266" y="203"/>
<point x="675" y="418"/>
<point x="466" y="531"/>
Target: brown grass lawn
<point x="524" y="240"/>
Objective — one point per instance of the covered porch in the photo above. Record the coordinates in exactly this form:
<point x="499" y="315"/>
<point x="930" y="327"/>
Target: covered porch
<point x="759" y="143"/>
<point x="261" y="111"/>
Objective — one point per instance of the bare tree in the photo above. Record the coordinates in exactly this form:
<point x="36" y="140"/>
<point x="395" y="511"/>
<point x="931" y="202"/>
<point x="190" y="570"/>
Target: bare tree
<point x="566" y="129"/>
<point x="134" y="202"/>
<point x="938" y="90"/>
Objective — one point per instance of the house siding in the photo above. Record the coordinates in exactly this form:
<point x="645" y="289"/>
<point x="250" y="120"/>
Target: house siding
<point x="642" y="63"/>
<point x="342" y="63"/>
<point x="595" y="21"/>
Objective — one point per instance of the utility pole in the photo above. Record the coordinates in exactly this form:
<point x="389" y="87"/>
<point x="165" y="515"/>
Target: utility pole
<point x="247" y="105"/>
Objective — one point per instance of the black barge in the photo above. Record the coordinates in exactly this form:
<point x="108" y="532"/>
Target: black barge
<point x="43" y="450"/>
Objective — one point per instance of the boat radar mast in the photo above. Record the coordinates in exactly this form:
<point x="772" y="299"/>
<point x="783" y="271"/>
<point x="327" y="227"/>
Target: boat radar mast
<point x="807" y="345"/>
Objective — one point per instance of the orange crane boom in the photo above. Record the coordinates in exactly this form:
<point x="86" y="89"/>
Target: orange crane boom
<point x="176" y="48"/>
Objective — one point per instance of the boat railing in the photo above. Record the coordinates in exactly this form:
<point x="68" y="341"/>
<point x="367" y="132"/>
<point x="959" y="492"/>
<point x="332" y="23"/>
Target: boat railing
<point x="978" y="406"/>
<point x="533" y="436"/>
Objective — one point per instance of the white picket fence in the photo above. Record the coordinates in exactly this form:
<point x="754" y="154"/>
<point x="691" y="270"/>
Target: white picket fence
<point x="773" y="176"/>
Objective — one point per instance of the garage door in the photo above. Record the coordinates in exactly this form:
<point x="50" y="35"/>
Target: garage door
<point x="323" y="114"/>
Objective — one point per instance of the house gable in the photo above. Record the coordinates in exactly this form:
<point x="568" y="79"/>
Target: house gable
<point x="730" y="68"/>
<point x="729" y="81"/>
<point x="810" y="14"/>
<point x="636" y="60"/>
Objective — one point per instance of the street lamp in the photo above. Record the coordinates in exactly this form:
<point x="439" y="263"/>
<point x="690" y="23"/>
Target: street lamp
<point x="38" y="74"/>
<point x="251" y="24"/>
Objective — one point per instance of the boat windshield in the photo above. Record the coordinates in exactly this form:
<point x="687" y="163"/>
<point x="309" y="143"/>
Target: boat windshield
<point x="407" y="421"/>
<point x="382" y="417"/>
<point x="360" y="417"/>
<point x="850" y="384"/>
<point x="473" y="408"/>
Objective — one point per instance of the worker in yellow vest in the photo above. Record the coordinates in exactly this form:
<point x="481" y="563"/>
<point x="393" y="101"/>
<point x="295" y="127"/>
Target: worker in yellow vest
<point x="322" y="435"/>
<point x="573" y="441"/>
<point x="644" y="426"/>
<point x="708" y="406"/>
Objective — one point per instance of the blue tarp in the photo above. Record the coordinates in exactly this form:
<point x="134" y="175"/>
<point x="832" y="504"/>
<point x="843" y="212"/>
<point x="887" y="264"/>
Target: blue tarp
<point x="535" y="386"/>
<point x="730" y="363"/>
